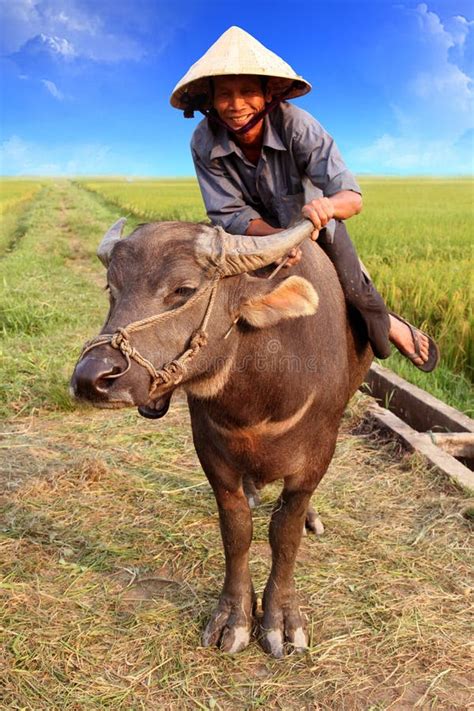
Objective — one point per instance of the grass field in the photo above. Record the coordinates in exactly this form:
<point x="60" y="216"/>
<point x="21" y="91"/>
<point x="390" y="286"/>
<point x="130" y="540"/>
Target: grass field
<point x="50" y="297"/>
<point x="15" y="198"/>
<point x="421" y="261"/>
<point x="177" y="199"/>
<point x="110" y="554"/>
<point x="415" y="236"/>
<point x="16" y="190"/>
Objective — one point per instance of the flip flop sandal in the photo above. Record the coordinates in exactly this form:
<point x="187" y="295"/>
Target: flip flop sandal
<point x="433" y="350"/>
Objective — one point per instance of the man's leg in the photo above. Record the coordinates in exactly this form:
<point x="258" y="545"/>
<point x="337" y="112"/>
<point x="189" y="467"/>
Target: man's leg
<point x="358" y="289"/>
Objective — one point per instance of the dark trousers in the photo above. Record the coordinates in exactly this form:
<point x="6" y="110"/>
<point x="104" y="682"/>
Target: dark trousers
<point x="358" y="289"/>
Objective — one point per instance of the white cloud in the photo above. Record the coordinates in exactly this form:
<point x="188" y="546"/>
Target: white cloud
<point x="413" y="155"/>
<point x="432" y="102"/>
<point x="20" y="157"/>
<point x="459" y="27"/>
<point x="78" y="22"/>
<point x="13" y="152"/>
<point x="65" y="30"/>
<point x="53" y="89"/>
<point x="58" y="45"/>
<point x="430" y="23"/>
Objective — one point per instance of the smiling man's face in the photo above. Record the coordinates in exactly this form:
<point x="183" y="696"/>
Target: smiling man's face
<point x="239" y="98"/>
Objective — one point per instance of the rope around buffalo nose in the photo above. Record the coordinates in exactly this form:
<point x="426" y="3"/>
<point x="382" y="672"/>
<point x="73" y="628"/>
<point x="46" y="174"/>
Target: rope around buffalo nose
<point x="174" y="371"/>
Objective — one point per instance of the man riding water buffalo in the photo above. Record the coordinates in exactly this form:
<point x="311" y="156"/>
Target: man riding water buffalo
<point x="189" y="307"/>
<point x="261" y="163"/>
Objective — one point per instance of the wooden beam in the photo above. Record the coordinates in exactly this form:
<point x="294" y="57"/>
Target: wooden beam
<point x="459" y="444"/>
<point x="422" y="443"/>
<point x="418" y="408"/>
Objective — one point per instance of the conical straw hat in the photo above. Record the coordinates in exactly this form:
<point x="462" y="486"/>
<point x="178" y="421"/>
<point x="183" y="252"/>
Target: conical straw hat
<point x="236" y="52"/>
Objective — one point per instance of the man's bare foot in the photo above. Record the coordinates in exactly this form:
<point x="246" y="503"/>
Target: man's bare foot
<point x="401" y="337"/>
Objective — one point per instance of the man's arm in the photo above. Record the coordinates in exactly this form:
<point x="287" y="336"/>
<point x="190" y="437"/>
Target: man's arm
<point x="340" y="206"/>
<point x="346" y="204"/>
<point x="260" y="228"/>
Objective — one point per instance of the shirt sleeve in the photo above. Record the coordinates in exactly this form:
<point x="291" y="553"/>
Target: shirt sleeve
<point x="319" y="158"/>
<point x="223" y="199"/>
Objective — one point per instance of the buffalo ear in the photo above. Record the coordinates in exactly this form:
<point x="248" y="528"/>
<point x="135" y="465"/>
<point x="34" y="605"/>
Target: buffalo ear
<point x="291" y="298"/>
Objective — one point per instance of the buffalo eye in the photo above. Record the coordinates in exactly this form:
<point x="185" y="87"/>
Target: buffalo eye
<point x="107" y="289"/>
<point x="112" y="292"/>
<point x="185" y="291"/>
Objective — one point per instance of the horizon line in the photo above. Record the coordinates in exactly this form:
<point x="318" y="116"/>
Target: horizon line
<point x="131" y="178"/>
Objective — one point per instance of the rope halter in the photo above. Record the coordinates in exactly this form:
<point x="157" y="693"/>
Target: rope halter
<point x="174" y="371"/>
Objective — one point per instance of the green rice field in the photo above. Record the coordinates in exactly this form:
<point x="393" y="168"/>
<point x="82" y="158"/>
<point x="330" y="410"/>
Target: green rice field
<point x="15" y="191"/>
<point x="414" y="235"/>
<point x="177" y="199"/>
<point x="15" y="196"/>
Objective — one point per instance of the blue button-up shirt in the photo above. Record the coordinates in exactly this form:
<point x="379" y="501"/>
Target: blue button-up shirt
<point x="299" y="162"/>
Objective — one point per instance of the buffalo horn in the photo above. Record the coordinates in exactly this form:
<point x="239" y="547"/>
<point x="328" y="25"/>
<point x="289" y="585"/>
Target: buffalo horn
<point x="236" y="254"/>
<point x="112" y="236"/>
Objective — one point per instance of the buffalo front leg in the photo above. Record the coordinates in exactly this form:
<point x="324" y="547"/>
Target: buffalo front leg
<point x="231" y="621"/>
<point x="282" y="620"/>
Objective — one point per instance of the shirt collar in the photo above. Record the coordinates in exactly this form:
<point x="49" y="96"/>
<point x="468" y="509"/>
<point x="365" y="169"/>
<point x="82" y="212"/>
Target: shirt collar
<point x="225" y="145"/>
<point x="271" y="139"/>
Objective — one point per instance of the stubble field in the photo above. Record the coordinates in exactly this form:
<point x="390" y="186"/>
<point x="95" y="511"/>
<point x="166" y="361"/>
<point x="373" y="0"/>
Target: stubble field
<point x="110" y="559"/>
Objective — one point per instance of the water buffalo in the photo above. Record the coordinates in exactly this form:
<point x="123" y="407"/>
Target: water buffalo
<point x="268" y="366"/>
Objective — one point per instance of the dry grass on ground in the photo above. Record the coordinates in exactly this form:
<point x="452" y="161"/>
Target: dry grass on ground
<point x="111" y="562"/>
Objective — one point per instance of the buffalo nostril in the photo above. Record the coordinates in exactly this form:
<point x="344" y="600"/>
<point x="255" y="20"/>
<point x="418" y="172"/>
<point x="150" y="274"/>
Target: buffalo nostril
<point x="93" y="377"/>
<point x="105" y="380"/>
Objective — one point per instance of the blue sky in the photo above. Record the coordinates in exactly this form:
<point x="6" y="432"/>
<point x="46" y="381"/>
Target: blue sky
<point x="86" y="83"/>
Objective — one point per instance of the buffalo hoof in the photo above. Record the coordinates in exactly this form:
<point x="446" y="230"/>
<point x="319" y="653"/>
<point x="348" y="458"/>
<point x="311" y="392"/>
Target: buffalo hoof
<point x="313" y="523"/>
<point x="251" y="492"/>
<point x="283" y="632"/>
<point x="229" y="627"/>
<point x="159" y="408"/>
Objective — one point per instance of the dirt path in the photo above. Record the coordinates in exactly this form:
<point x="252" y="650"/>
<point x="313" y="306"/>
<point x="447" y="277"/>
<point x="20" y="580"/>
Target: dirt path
<point x="51" y="297"/>
<point x="111" y="557"/>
